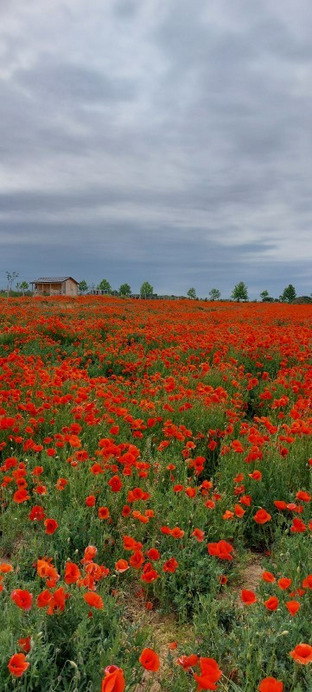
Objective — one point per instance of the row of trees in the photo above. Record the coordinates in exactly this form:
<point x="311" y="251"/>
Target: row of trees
<point x="146" y="290"/>
<point x="239" y="293"/>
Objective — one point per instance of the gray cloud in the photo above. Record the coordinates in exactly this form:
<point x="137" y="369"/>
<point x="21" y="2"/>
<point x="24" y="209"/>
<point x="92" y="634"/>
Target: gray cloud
<point x="157" y="141"/>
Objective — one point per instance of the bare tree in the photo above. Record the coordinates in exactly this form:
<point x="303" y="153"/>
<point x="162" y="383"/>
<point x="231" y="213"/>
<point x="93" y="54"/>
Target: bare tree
<point x="11" y="276"/>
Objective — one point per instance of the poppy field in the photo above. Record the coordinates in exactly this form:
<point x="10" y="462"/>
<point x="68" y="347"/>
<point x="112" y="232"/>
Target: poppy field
<point x="155" y="462"/>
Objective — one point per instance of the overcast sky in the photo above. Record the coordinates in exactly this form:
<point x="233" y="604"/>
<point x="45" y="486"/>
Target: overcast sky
<point x="159" y="140"/>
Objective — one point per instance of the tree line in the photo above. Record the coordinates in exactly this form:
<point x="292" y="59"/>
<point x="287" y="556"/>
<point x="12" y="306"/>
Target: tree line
<point x="239" y="292"/>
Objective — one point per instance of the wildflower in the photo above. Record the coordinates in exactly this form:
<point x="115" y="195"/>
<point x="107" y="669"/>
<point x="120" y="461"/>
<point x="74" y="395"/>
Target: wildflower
<point x="307" y="582"/>
<point x="37" y="512"/>
<point x="93" y="600"/>
<point x="222" y="550"/>
<point x="262" y="516"/>
<point x="255" y="475"/>
<point x="170" y="565"/>
<point x="248" y="597"/>
<point x="114" y="680"/>
<point x="72" y="573"/>
<point x="90" y="501"/>
<point x="153" y="554"/>
<point x="270" y="685"/>
<point x="292" y="607"/>
<point x="268" y="577"/>
<point x="115" y="484"/>
<point x="24" y="643"/>
<point x="302" y="653"/>
<point x="210" y="674"/>
<point x="17" y="665"/>
<point x="51" y="526"/>
<point x="57" y="603"/>
<point x="284" y="583"/>
<point x="20" y="496"/>
<point x="44" y="598"/>
<point x="121" y="566"/>
<point x="271" y="603"/>
<point x="103" y="513"/>
<point x="149" y="659"/>
<point x="22" y="598"/>
<point x="298" y="526"/>
<point x="199" y="535"/>
<point x="177" y="532"/>
<point x="188" y="661"/>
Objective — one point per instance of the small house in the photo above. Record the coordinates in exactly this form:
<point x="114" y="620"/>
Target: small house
<point x="55" y="286"/>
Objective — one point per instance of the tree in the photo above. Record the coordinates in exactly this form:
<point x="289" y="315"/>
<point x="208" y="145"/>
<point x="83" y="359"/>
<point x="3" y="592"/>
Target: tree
<point x="289" y="294"/>
<point x="240" y="292"/>
<point x="11" y="276"/>
<point x="265" y="297"/>
<point x="105" y="286"/>
<point x="83" y="286"/>
<point x="214" y="294"/>
<point x="191" y="293"/>
<point x="24" y="286"/>
<point x="125" y="290"/>
<point x="146" y="290"/>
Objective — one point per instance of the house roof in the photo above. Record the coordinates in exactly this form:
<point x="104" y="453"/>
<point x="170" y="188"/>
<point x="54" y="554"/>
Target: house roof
<point x="53" y="280"/>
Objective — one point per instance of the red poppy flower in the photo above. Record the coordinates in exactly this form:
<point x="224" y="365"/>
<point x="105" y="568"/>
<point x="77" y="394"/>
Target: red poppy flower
<point x="17" y="665"/>
<point x="90" y="501"/>
<point x="293" y="607"/>
<point x="307" y="582"/>
<point x="188" y="661"/>
<point x="210" y="674"/>
<point x="25" y="644"/>
<point x="44" y="598"/>
<point x="153" y="554"/>
<point x="137" y="559"/>
<point x="248" y="597"/>
<point x="271" y="685"/>
<point x="256" y="475"/>
<point x="37" y="512"/>
<point x="271" y="603"/>
<point x="298" y="526"/>
<point x="303" y="496"/>
<point x="284" y="583"/>
<point x="115" y="484"/>
<point x="93" y="600"/>
<point x="22" y="598"/>
<point x="262" y="516"/>
<point x="177" y="532"/>
<point x="170" y="565"/>
<point x="121" y="566"/>
<point x="199" y="535"/>
<point x="268" y="577"/>
<point x="114" y="680"/>
<point x="103" y="513"/>
<point x="51" y="526"/>
<point x="302" y="653"/>
<point x="19" y="497"/>
<point x="72" y="573"/>
<point x="149" y="659"/>
<point x="222" y="550"/>
<point x="149" y="574"/>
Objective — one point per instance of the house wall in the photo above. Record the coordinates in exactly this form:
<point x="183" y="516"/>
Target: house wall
<point x="70" y="288"/>
<point x="48" y="289"/>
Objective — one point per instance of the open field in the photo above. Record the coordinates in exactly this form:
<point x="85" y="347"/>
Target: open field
<point x="156" y="465"/>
